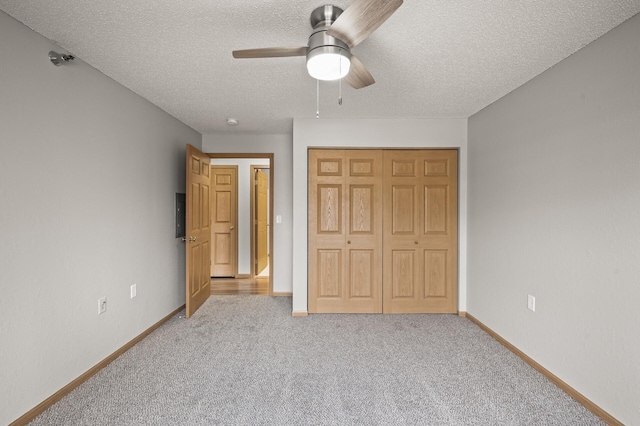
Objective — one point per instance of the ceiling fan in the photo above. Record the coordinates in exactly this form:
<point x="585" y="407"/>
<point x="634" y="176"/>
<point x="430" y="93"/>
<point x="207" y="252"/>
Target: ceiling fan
<point x="335" y="33"/>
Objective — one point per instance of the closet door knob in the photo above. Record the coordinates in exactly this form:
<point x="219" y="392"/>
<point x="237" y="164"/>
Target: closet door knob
<point x="349" y="242"/>
<point x="416" y="242"/>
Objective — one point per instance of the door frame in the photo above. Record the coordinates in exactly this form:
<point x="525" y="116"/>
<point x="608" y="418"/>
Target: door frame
<point x="254" y="255"/>
<point x="270" y="157"/>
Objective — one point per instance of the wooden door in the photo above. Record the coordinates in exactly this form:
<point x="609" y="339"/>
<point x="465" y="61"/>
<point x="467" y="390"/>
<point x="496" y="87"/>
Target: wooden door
<point x="420" y="231"/>
<point x="262" y="254"/>
<point x="345" y="231"/>
<point x="198" y="232"/>
<point x="224" y="189"/>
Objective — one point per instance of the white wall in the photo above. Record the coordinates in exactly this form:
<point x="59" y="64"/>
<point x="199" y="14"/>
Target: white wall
<point x="244" y="206"/>
<point x="312" y="133"/>
<point x="280" y="146"/>
<point x="88" y="176"/>
<point x="554" y="211"/>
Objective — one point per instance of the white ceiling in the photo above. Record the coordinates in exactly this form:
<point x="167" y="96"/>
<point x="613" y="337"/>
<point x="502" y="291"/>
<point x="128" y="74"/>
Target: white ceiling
<point x="431" y="59"/>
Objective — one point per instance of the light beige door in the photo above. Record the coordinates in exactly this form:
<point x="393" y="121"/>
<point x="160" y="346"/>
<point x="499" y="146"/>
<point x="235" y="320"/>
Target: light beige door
<point x="224" y="189"/>
<point x="198" y="232"/>
<point x="420" y="231"/>
<point x="345" y="231"/>
<point x="262" y="254"/>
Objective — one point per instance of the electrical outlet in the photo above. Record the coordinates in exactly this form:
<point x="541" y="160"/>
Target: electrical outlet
<point x="133" y="291"/>
<point x="102" y="305"/>
<point x="531" y="303"/>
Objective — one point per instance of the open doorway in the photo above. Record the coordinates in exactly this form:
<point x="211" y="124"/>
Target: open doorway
<point x="253" y="231"/>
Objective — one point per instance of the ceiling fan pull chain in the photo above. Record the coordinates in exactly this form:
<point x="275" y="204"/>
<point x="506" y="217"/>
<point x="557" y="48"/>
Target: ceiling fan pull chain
<point x="317" y="99"/>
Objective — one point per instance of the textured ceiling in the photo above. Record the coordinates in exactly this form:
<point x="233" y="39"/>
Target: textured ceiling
<point x="431" y="59"/>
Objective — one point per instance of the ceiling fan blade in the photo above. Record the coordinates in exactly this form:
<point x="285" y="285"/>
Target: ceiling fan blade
<point x="361" y="19"/>
<point x="270" y="52"/>
<point x="358" y="76"/>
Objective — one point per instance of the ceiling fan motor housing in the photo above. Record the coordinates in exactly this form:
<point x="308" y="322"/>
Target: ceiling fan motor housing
<point x="320" y="39"/>
<point x="320" y="43"/>
<point x="321" y="19"/>
<point x="325" y="15"/>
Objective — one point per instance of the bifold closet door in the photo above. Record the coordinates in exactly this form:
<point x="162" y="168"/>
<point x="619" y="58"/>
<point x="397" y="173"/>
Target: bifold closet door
<point x="420" y="231"/>
<point x="345" y="231"/>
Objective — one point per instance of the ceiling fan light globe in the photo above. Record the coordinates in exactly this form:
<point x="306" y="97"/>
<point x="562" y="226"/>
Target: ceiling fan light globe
<point x="329" y="64"/>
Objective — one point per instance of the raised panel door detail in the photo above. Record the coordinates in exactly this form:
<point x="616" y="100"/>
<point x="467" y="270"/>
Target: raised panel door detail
<point x="196" y="265"/>
<point x="195" y="165"/>
<point x="329" y="209"/>
<point x="195" y="206"/>
<point x="360" y="168"/>
<point x="435" y="209"/>
<point x="205" y="278"/>
<point x="436" y="167"/>
<point x="403" y="273"/>
<point x="403" y="210"/>
<point x="223" y="202"/>
<point x="361" y="265"/>
<point x="205" y="169"/>
<point x="329" y="272"/>
<point x="329" y="166"/>
<point x="361" y="209"/>
<point x="222" y="242"/>
<point x="435" y="273"/>
<point x="222" y="179"/>
<point x="205" y="192"/>
<point x="206" y="248"/>
<point x="403" y="168"/>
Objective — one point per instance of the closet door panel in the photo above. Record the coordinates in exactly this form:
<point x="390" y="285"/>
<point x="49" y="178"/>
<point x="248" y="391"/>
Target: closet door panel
<point x="364" y="232"/>
<point x="345" y="231"/>
<point x="326" y="274"/>
<point x="420" y="232"/>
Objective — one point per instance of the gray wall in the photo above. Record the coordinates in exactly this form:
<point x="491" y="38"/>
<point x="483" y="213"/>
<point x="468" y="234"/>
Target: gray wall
<point x="88" y="176"/>
<point x="554" y="211"/>
<point x="281" y="147"/>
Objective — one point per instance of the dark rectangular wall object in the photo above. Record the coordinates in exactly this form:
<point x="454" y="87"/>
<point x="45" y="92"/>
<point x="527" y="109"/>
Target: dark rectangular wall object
<point x="181" y="205"/>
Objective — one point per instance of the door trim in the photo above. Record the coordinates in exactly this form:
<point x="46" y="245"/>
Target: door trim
<point x="272" y="169"/>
